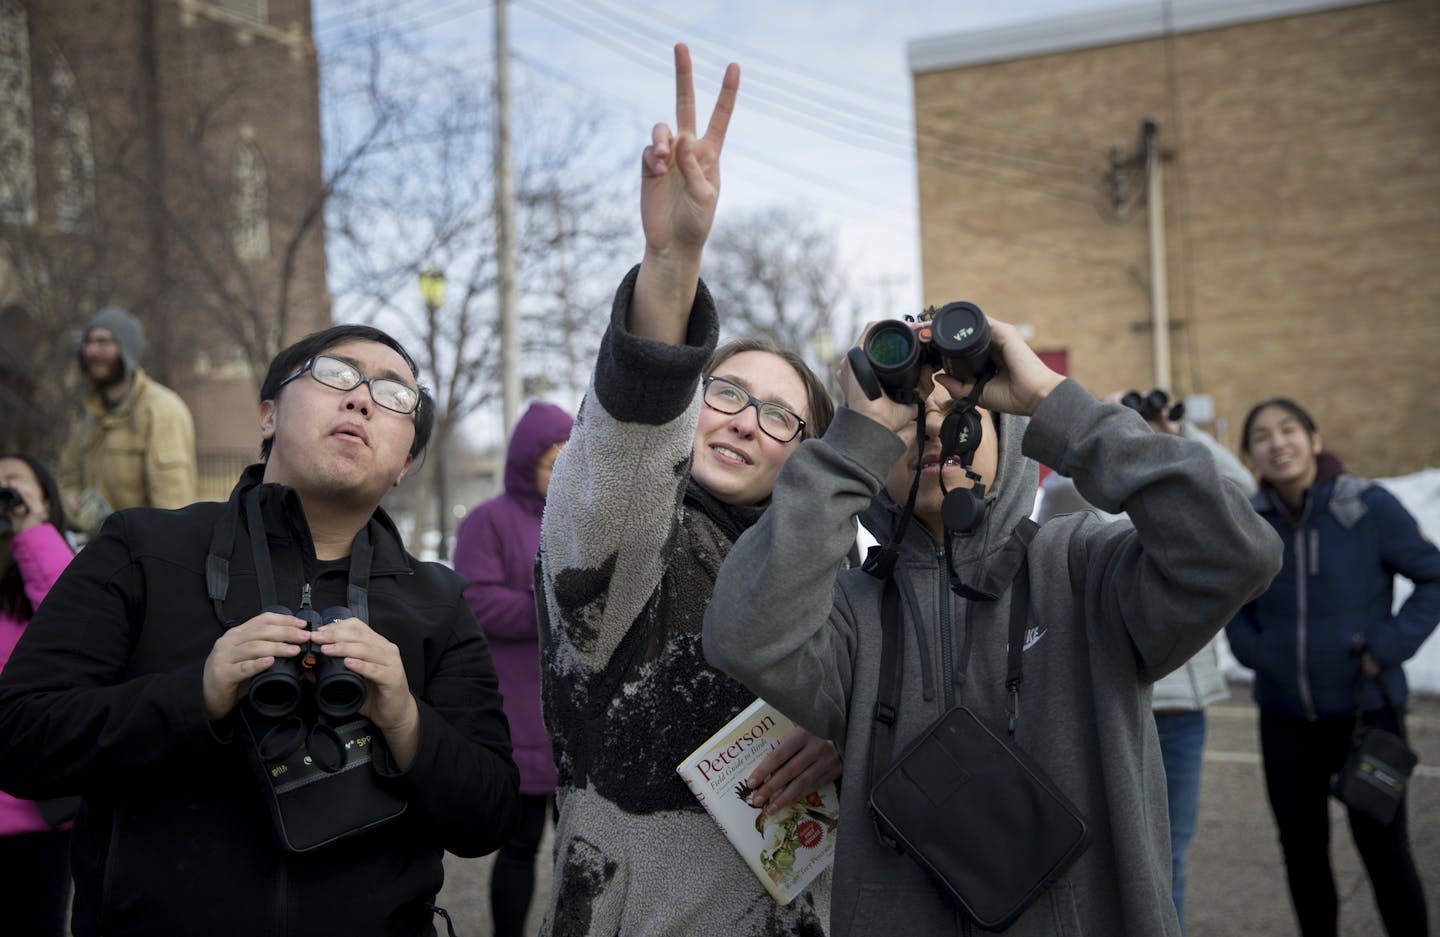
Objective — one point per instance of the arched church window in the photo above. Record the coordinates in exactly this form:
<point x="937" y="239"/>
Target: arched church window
<point x="252" y="218"/>
<point x="73" y="159"/>
<point x="253" y="10"/>
<point x="17" y="139"/>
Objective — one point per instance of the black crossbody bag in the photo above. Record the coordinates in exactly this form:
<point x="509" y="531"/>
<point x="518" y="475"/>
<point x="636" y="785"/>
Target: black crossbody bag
<point x="1377" y="771"/>
<point x="962" y="800"/>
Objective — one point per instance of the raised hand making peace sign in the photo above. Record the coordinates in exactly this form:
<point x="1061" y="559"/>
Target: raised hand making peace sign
<point x="679" y="188"/>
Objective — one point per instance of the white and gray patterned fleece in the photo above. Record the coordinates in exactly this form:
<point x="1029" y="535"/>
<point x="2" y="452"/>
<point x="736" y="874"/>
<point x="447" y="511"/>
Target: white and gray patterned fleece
<point x="629" y="551"/>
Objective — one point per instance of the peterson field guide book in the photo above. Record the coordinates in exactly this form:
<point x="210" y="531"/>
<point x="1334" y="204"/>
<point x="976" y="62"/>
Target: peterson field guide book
<point x="785" y="849"/>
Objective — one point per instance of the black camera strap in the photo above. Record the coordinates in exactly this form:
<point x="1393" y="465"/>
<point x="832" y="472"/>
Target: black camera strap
<point x="880" y="561"/>
<point x="222" y="545"/>
<point x="217" y="562"/>
<point x="260" y="549"/>
<point x="892" y="662"/>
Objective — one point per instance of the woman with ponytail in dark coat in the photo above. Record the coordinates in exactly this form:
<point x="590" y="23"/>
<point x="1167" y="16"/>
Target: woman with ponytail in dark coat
<point x="1323" y="637"/>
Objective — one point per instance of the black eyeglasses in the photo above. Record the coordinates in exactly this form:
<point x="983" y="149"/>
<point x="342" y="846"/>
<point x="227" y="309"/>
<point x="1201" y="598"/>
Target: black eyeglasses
<point x="342" y="375"/>
<point x="779" y="423"/>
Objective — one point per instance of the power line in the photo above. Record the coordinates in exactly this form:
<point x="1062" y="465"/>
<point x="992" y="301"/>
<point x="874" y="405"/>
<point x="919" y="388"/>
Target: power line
<point x="766" y="99"/>
<point x="774" y="70"/>
<point x="858" y="127"/>
<point x="826" y="110"/>
<point x="1014" y="240"/>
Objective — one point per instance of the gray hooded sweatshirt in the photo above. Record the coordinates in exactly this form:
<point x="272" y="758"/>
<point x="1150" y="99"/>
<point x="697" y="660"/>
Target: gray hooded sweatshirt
<point x="1112" y="608"/>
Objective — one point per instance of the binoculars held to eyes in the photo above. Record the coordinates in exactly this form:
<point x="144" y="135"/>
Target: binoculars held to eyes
<point x="955" y="339"/>
<point x="1154" y="405"/>
<point x="10" y="499"/>
<point x="338" y="692"/>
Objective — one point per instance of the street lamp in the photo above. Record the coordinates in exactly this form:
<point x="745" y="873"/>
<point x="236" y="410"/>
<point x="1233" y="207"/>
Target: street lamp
<point x="432" y="288"/>
<point x="432" y="291"/>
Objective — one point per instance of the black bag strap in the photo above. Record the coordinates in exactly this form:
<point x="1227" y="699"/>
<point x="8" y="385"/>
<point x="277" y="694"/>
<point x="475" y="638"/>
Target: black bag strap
<point x="1360" y="701"/>
<point x="892" y="662"/>
<point x="882" y="730"/>
<point x="449" y="924"/>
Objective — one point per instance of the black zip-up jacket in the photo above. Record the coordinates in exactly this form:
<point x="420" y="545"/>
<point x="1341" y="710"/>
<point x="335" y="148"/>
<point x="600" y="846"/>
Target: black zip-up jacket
<point x="103" y="698"/>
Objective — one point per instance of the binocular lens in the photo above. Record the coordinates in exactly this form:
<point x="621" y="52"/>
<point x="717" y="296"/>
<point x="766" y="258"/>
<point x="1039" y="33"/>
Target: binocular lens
<point x="339" y="692"/>
<point x="962" y="341"/>
<point x="276" y="692"/>
<point x="889" y="346"/>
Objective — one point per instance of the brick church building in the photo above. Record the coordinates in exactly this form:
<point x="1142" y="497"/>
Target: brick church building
<point x="164" y="156"/>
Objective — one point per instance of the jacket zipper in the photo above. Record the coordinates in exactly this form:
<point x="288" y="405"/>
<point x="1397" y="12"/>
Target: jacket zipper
<point x="1302" y="609"/>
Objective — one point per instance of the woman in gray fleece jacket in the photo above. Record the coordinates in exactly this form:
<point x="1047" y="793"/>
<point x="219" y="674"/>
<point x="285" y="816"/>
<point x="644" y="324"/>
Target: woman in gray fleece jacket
<point x="1112" y="607"/>
<point x="644" y="502"/>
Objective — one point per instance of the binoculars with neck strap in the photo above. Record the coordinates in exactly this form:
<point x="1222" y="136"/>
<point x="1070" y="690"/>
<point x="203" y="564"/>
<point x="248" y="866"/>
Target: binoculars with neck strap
<point x="338" y="692"/>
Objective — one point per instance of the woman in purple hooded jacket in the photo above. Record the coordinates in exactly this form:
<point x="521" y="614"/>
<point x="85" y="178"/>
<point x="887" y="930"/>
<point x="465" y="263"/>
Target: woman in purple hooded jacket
<point x="495" y="551"/>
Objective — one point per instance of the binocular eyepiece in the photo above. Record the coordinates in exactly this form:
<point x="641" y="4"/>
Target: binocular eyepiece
<point x="1154" y="405"/>
<point x="338" y="692"/>
<point x="956" y="339"/>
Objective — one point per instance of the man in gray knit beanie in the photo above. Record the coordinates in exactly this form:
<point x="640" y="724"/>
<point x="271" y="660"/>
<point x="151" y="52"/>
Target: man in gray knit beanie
<point x="134" y="445"/>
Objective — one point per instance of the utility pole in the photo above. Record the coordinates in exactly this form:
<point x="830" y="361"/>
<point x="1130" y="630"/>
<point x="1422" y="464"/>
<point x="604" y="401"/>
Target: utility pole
<point x="573" y="369"/>
<point x="505" y="230"/>
<point x="1155" y="212"/>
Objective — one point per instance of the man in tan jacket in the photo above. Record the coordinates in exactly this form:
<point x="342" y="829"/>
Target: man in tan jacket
<point x="134" y="445"/>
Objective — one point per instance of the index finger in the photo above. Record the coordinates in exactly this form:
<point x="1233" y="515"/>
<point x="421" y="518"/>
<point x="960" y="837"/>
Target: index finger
<point x="684" y="90"/>
<point x="788" y="747"/>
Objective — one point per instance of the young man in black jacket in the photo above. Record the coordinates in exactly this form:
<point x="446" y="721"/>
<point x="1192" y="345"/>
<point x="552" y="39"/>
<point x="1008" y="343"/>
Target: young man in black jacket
<point x="132" y="685"/>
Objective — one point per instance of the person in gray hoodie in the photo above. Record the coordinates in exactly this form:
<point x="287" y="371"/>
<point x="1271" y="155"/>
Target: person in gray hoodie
<point x="1112" y="608"/>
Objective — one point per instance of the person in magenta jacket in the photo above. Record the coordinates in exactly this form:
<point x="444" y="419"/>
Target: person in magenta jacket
<point x="495" y="551"/>
<point x="33" y="552"/>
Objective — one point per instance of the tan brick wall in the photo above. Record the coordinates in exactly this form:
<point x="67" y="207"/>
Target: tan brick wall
<point x="1302" y="210"/>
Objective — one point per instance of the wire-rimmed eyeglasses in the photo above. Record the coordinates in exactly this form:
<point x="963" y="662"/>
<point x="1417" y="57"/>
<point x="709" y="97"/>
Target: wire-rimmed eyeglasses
<point x="778" y="422"/>
<point x="342" y="375"/>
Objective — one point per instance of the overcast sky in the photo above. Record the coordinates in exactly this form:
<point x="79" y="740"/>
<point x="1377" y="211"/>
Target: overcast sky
<point x="824" y="118"/>
<point x="823" y="123"/>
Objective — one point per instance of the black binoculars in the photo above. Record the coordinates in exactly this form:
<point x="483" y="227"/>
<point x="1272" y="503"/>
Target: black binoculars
<point x="955" y="339"/>
<point x="10" y="499"/>
<point x="1154" y="405"/>
<point x="338" y="692"/>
